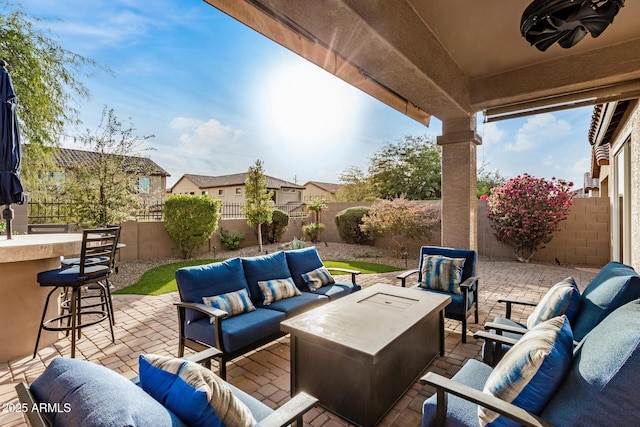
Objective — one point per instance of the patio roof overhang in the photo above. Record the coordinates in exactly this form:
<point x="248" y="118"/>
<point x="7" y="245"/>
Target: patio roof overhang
<point x="450" y="59"/>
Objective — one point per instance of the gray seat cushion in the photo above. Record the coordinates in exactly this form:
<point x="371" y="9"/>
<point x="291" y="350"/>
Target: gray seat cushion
<point x="460" y="412"/>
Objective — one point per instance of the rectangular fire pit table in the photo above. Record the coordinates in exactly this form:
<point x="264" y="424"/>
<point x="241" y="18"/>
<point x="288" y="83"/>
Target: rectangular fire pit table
<point x="360" y="353"/>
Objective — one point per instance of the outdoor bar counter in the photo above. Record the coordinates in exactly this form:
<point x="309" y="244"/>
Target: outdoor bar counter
<point x="21" y="298"/>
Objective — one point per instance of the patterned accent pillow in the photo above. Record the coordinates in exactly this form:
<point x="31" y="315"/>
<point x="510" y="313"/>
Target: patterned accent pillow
<point x="529" y="374"/>
<point x="318" y="278"/>
<point x="441" y="273"/>
<point x="194" y="393"/>
<point x="236" y="302"/>
<point x="561" y="298"/>
<point x="277" y="289"/>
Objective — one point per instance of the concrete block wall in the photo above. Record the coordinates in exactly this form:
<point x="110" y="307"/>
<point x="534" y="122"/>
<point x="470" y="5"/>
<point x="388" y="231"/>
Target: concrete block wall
<point x="583" y="239"/>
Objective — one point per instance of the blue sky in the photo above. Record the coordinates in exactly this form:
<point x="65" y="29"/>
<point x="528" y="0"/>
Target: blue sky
<point x="217" y="96"/>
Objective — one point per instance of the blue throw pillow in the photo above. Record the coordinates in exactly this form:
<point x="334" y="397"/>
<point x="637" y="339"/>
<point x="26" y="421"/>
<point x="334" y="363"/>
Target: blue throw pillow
<point x="561" y="298"/>
<point x="318" y="278"/>
<point x="233" y="303"/>
<point x="85" y="394"/>
<point x="194" y="393"/>
<point x="442" y="273"/>
<point x="277" y="289"/>
<point x="529" y="374"/>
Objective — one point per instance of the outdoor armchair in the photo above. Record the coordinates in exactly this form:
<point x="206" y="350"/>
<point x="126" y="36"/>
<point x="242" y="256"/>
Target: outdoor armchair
<point x="434" y="276"/>
<point x="78" y="392"/>
<point x="615" y="285"/>
<point x="591" y="386"/>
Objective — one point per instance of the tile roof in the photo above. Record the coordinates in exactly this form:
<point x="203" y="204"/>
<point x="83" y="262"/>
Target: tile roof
<point x="204" y="181"/>
<point x="326" y="186"/>
<point x="68" y="158"/>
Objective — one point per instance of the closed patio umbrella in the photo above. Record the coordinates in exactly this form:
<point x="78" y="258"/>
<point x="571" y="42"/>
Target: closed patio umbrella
<point x="10" y="186"/>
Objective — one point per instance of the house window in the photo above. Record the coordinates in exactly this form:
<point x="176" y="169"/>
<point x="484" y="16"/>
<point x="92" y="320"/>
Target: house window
<point x="192" y="193"/>
<point x="288" y="190"/>
<point x="221" y="192"/>
<point x="205" y="192"/>
<point x="144" y="185"/>
<point x="238" y="191"/>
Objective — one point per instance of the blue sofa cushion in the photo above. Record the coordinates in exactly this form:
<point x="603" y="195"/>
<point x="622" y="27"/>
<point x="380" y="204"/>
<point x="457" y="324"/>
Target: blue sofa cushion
<point x="237" y="331"/>
<point x="317" y="278"/>
<point x="337" y="290"/>
<point x="298" y="304"/>
<point x="460" y="412"/>
<point x="600" y="388"/>
<point x="440" y="273"/>
<point x="561" y="298"/>
<point x="615" y="285"/>
<point x="233" y="303"/>
<point x="263" y="268"/>
<point x="531" y="371"/>
<point x="302" y="261"/>
<point x="193" y="392"/>
<point x="197" y="282"/>
<point x="92" y="395"/>
<point x="277" y="289"/>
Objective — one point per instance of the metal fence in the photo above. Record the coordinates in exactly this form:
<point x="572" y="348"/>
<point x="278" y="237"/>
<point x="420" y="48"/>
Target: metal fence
<point x="57" y="211"/>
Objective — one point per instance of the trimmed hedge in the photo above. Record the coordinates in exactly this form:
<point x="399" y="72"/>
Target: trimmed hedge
<point x="348" y="222"/>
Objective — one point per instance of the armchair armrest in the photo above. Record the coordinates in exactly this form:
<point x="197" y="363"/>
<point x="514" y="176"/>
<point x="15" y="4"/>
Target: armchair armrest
<point x="202" y="308"/>
<point x="510" y="302"/>
<point x="403" y="276"/>
<point x="470" y="282"/>
<point x="28" y="403"/>
<point x="500" y="328"/>
<point x="353" y="273"/>
<point x="204" y="357"/>
<point x="488" y="336"/>
<point x="290" y="411"/>
<point x="444" y="386"/>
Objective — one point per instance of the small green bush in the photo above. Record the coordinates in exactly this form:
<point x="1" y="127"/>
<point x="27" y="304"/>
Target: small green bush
<point x="190" y="220"/>
<point x="272" y="233"/>
<point x="231" y="239"/>
<point x="348" y="222"/>
<point x="312" y="231"/>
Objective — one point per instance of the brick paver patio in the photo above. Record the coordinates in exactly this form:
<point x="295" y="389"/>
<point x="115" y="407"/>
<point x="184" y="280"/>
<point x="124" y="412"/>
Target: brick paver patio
<point x="147" y="324"/>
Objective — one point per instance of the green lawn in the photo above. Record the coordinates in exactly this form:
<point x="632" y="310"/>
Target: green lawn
<point x="162" y="279"/>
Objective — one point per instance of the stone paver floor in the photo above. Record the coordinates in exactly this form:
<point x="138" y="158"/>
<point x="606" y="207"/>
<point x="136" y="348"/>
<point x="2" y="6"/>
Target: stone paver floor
<point x="147" y="324"/>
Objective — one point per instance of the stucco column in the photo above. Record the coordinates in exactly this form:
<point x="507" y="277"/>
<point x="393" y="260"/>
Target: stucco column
<point x="459" y="200"/>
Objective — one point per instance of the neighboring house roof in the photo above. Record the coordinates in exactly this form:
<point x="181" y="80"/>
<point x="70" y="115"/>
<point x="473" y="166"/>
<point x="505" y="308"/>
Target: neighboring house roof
<point x="204" y="181"/>
<point x="326" y="186"/>
<point x="68" y="158"/>
<point x="604" y="123"/>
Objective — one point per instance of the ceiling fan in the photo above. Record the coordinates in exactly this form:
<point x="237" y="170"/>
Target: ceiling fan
<point x="545" y="22"/>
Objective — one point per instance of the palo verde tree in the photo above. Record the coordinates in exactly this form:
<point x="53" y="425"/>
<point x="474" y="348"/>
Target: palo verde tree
<point x="526" y="211"/>
<point x="46" y="79"/>
<point x="103" y="187"/>
<point x="258" y="207"/>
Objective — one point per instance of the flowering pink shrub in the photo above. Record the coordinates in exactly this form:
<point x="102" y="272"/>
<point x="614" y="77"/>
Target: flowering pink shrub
<point x="525" y="212"/>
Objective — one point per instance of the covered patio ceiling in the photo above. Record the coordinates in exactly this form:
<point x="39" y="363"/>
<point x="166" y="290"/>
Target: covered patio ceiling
<point x="450" y="59"/>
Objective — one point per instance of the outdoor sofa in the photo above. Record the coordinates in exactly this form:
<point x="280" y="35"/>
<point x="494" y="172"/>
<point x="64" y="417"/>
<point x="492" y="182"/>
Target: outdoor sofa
<point x="236" y="305"/>
<point x="76" y="392"/>
<point x="544" y="381"/>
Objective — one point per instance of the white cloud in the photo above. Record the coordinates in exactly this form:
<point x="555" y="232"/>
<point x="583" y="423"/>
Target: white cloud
<point x="537" y="130"/>
<point x="199" y="134"/>
<point x="492" y="134"/>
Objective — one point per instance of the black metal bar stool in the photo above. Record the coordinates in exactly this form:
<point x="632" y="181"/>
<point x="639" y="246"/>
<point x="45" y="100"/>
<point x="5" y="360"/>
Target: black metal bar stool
<point x="95" y="267"/>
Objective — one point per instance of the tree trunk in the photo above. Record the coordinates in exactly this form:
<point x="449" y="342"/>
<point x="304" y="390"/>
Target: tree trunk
<point x="260" y="238"/>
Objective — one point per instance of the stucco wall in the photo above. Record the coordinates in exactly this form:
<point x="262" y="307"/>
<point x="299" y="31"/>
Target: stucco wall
<point x="583" y="238"/>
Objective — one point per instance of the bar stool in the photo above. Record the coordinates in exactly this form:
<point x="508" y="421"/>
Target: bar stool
<point x="95" y="267"/>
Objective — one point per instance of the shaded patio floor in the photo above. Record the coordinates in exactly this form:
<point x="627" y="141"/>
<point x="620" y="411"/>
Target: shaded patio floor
<point x="148" y="324"/>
